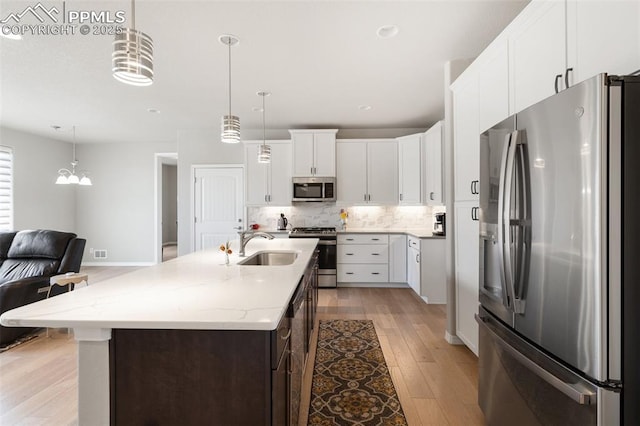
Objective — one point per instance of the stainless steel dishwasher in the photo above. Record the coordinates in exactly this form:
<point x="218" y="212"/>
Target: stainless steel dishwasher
<point x="298" y="315"/>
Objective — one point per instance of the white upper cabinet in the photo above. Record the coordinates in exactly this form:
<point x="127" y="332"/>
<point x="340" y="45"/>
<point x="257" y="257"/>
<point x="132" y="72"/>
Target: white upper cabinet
<point x="382" y="172"/>
<point x="556" y="44"/>
<point x="606" y="37"/>
<point x="367" y="172"/>
<point x="268" y="184"/>
<point x="537" y="50"/>
<point x="314" y="152"/>
<point x="433" y="183"/>
<point x="493" y="86"/>
<point x="466" y="137"/>
<point x="351" y="179"/>
<point x="410" y="169"/>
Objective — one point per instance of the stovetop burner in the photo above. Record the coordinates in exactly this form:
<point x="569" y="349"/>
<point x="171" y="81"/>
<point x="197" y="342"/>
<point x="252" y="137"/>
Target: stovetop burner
<point x="314" y="230"/>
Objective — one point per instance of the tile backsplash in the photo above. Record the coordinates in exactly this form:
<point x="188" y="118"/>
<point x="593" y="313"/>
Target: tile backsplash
<point x="328" y="214"/>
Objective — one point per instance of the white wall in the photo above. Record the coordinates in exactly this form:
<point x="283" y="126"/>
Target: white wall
<point x="198" y="147"/>
<point x="117" y="213"/>
<point x="38" y="202"/>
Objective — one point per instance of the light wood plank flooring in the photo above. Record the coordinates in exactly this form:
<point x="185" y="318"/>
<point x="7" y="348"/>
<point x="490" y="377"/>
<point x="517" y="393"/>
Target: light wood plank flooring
<point x="436" y="382"/>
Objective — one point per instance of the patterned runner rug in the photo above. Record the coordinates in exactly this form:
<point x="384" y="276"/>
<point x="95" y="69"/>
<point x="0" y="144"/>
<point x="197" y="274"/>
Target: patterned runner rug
<point x="351" y="382"/>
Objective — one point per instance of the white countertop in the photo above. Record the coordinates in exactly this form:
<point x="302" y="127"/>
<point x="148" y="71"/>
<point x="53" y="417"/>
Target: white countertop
<point x="416" y="232"/>
<point x="196" y="291"/>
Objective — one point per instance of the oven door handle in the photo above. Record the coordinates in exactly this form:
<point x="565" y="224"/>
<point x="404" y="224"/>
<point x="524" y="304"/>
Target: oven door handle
<point x="327" y="243"/>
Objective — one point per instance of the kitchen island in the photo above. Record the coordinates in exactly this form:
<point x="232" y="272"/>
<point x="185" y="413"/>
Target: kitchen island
<point x="191" y="335"/>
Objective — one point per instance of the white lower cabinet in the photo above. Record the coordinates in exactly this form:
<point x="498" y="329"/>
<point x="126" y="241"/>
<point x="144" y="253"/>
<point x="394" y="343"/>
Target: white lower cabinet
<point x="363" y="258"/>
<point x="413" y="264"/>
<point x="397" y="258"/>
<point x="467" y="275"/>
<point x="433" y="283"/>
<point x="425" y="268"/>
<point x="360" y="273"/>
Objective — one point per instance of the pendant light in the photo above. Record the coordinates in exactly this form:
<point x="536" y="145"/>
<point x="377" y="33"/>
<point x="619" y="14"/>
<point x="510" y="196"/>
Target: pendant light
<point x="66" y="176"/>
<point x="264" y="151"/>
<point x="230" y="123"/>
<point x="132" y="58"/>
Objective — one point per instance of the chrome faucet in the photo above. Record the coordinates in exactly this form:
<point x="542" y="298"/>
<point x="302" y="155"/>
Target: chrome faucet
<point x="246" y="236"/>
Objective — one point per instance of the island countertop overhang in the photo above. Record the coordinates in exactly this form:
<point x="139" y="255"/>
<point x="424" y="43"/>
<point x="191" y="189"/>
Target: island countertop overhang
<point x="196" y="291"/>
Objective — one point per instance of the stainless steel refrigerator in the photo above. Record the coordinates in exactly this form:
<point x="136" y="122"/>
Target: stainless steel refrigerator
<point x="559" y="266"/>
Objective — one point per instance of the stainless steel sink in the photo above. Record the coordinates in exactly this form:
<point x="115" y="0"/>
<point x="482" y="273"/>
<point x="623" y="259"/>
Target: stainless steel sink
<point x="270" y="258"/>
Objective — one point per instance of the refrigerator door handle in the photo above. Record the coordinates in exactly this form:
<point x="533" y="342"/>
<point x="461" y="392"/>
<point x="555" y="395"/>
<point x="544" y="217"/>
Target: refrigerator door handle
<point x="579" y="394"/>
<point x="504" y="217"/>
<point x="506" y="295"/>
<point x="521" y="222"/>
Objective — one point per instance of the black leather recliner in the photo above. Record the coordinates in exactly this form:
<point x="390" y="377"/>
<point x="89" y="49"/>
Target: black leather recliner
<point x="27" y="260"/>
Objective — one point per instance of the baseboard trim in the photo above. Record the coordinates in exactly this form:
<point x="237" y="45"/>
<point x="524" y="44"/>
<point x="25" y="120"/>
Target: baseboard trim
<point x="374" y="285"/>
<point x="118" y="263"/>
<point x="452" y="340"/>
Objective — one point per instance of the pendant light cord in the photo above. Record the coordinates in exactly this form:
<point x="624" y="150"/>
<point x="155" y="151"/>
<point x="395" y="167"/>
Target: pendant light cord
<point x="264" y="131"/>
<point x="133" y="14"/>
<point x="74" y="146"/>
<point x="229" y="43"/>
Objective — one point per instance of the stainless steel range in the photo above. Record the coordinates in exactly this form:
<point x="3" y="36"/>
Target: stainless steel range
<point x="327" y="252"/>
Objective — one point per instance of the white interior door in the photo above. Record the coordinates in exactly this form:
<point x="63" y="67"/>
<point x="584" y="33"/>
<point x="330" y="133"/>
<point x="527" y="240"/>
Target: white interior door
<point x="219" y="212"/>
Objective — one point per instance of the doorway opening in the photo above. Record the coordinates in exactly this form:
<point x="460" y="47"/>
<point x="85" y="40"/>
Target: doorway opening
<point x="166" y="241"/>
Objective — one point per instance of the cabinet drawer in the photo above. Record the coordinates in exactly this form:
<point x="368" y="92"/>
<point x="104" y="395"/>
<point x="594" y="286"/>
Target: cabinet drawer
<point x="414" y="242"/>
<point x="363" y="239"/>
<point x="363" y="273"/>
<point x="363" y="253"/>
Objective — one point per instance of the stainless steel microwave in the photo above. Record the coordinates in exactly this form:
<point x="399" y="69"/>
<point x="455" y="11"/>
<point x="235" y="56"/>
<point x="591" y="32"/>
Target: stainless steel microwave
<point x="314" y="189"/>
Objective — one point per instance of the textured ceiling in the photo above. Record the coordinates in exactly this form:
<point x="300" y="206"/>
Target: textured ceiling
<point x="321" y="60"/>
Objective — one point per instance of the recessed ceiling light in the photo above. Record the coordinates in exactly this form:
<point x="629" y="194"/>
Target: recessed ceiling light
<point x="153" y="110"/>
<point x="364" y="107"/>
<point x="388" y="31"/>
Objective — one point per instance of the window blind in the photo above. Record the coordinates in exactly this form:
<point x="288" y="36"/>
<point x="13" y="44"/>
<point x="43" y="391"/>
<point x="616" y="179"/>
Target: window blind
<point x="6" y="189"/>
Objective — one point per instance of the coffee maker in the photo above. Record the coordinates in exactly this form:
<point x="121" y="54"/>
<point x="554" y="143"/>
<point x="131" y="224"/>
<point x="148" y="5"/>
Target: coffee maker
<point x="439" y="224"/>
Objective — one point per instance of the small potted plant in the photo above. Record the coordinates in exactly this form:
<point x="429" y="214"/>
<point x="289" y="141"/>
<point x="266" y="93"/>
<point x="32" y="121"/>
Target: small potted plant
<point x="344" y="215"/>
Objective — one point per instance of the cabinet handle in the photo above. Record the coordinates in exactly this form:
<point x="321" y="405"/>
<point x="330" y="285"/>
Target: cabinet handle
<point x="566" y="77"/>
<point x="431" y="195"/>
<point x="375" y="239"/>
<point x="375" y="254"/>
<point x="365" y="197"/>
<point x="349" y="273"/>
<point x="400" y="197"/>
<point x="474" y="213"/>
<point x="349" y="239"/>
<point x="555" y="84"/>
<point x="369" y="197"/>
<point x="375" y="273"/>
<point x="474" y="187"/>
<point x="349" y="254"/>
<point x="418" y="258"/>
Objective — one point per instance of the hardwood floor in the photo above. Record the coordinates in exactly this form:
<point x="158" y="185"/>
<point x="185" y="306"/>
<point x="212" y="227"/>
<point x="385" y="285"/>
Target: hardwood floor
<point x="436" y="382"/>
